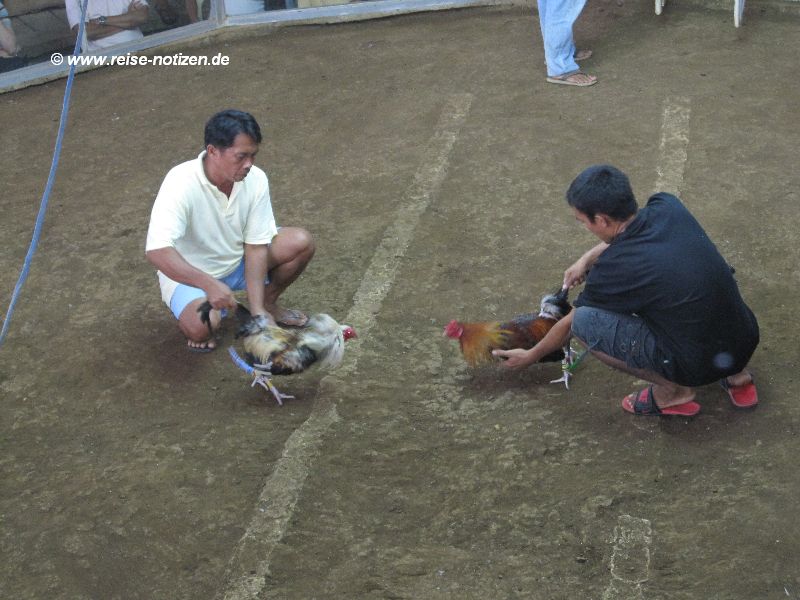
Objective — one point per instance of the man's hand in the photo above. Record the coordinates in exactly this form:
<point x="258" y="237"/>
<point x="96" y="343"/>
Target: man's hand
<point x="136" y="5"/>
<point x="220" y="296"/>
<point x="575" y="274"/>
<point x="556" y="338"/>
<point x="173" y="265"/>
<point x="514" y="359"/>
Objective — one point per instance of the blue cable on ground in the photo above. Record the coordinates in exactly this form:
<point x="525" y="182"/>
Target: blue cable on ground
<point x="37" y="230"/>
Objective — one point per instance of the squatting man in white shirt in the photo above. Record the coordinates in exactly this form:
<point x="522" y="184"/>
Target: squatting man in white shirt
<point x="212" y="231"/>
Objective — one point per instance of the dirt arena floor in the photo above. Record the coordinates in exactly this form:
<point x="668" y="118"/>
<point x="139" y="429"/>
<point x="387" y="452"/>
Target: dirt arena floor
<point x="429" y="158"/>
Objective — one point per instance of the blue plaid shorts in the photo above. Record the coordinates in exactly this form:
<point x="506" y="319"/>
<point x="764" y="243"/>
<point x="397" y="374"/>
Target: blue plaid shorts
<point x="624" y="337"/>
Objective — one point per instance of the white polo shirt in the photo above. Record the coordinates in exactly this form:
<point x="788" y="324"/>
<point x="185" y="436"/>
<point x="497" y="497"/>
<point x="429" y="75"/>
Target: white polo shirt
<point x="105" y="8"/>
<point x="206" y="227"/>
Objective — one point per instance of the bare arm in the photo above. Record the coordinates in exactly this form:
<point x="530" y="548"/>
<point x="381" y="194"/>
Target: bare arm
<point x="255" y="272"/>
<point x="135" y="16"/>
<point x="576" y="274"/>
<point x="8" y="41"/>
<point x="95" y="31"/>
<point x="555" y="339"/>
<point x="191" y="11"/>
<point x="173" y="265"/>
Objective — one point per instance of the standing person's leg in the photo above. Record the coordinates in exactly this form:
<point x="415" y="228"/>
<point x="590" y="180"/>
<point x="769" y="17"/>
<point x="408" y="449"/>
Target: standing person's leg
<point x="556" y="18"/>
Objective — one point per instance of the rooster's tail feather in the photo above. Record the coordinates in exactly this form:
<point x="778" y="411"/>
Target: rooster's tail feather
<point x="479" y="339"/>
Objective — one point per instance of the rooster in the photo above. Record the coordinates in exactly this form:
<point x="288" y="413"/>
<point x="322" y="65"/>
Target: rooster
<point x="477" y="340"/>
<point x="274" y="350"/>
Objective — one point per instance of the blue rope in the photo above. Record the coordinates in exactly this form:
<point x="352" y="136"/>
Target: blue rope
<point x="37" y="230"/>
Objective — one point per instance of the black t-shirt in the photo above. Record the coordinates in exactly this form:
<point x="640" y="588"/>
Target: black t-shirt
<point x="666" y="270"/>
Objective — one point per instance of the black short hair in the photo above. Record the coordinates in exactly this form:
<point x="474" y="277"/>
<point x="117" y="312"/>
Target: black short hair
<point x="602" y="189"/>
<point x="224" y="126"/>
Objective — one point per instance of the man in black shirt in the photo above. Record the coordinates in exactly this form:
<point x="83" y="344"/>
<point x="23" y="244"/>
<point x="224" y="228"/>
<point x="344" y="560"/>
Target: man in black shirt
<point x="659" y="303"/>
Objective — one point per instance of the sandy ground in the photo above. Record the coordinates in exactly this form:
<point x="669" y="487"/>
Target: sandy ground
<point x="429" y="158"/>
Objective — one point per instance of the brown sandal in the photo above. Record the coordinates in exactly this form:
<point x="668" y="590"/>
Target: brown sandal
<point x="568" y="79"/>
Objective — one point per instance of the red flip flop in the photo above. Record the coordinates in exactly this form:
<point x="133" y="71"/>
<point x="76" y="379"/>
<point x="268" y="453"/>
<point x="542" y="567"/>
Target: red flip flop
<point x="742" y="396"/>
<point x="642" y="403"/>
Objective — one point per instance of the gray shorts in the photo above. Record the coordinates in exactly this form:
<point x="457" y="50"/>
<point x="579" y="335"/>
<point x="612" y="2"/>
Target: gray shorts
<point x="624" y="337"/>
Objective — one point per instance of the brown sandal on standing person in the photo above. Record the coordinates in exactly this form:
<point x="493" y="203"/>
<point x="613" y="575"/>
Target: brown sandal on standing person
<point x="556" y="18"/>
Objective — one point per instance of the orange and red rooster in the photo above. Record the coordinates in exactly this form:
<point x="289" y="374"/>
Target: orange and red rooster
<point x="477" y="340"/>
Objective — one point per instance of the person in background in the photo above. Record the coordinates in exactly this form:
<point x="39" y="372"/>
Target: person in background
<point x="108" y="22"/>
<point x="9" y="48"/>
<point x="194" y="10"/>
<point x="556" y="18"/>
<point x="167" y="14"/>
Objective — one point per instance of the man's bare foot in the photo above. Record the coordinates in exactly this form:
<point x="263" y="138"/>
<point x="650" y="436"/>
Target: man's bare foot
<point x="205" y="346"/>
<point x="741" y="389"/>
<point x="739" y="379"/>
<point x="665" y="399"/>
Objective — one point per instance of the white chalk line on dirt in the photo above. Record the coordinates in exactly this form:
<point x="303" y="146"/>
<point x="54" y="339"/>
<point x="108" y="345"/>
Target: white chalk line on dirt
<point x="248" y="568"/>
<point x="630" y="557"/>
<point x="674" y="143"/>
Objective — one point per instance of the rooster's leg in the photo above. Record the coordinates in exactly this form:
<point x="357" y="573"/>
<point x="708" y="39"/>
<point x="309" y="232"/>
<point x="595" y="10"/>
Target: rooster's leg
<point x="264" y="381"/>
<point x="563" y="379"/>
<point x="569" y="364"/>
<point x="566" y="366"/>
